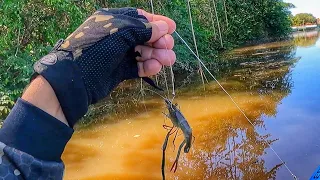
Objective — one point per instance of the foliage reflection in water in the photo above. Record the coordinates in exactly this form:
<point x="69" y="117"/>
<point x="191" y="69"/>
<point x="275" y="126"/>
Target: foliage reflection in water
<point x="126" y="144"/>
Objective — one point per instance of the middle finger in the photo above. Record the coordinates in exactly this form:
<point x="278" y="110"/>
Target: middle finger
<point x="165" y="57"/>
<point x="165" y="42"/>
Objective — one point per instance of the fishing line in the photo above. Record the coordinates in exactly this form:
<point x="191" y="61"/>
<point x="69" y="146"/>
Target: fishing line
<point x="172" y="74"/>
<point x="163" y="70"/>
<point x="164" y="73"/>
<point x="205" y="67"/>
<point x="163" y="67"/>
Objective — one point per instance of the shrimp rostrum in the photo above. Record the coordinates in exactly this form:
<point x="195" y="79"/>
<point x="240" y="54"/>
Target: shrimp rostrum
<point x="179" y="123"/>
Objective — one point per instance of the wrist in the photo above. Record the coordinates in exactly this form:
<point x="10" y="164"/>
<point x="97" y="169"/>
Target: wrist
<point x="66" y="80"/>
<point x="41" y="95"/>
<point x="33" y="131"/>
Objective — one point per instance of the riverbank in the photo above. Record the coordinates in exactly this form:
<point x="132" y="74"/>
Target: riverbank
<point x="305" y="28"/>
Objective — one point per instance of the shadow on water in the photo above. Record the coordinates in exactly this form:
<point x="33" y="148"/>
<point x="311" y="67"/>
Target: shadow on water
<point x="126" y="143"/>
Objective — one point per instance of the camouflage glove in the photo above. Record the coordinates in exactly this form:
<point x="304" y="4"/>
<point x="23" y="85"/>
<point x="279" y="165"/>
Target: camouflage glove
<point x="94" y="59"/>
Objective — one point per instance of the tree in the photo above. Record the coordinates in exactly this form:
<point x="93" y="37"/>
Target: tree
<point x="288" y="5"/>
<point x="303" y="18"/>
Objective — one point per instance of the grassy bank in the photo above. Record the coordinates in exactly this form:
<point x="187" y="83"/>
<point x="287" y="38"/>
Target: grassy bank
<point x="29" y="28"/>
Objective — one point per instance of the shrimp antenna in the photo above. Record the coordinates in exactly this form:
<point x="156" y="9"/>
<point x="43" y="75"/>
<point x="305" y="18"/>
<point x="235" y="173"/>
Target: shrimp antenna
<point x="155" y="93"/>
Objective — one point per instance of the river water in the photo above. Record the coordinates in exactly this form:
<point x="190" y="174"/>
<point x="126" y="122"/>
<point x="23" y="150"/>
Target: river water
<point x="276" y="84"/>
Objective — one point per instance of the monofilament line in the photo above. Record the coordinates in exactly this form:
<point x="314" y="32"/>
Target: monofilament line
<point x="164" y="71"/>
<point x="172" y="75"/>
<point x="205" y="67"/>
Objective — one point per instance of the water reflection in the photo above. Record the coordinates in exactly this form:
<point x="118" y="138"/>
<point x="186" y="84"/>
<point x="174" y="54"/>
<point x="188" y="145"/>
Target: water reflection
<point x="306" y="39"/>
<point x="127" y="143"/>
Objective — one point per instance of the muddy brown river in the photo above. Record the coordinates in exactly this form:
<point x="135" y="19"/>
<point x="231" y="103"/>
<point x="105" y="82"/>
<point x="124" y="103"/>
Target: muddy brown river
<point x="276" y="84"/>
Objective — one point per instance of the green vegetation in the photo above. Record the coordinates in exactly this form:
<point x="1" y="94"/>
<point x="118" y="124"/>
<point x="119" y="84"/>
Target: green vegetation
<point x="29" y="28"/>
<point x="5" y="105"/>
<point x="303" y="19"/>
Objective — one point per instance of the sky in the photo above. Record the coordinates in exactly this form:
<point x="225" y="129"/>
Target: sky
<point x="306" y="6"/>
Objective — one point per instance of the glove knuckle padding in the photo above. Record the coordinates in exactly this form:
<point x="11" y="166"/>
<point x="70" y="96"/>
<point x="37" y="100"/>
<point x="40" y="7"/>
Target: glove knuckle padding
<point x="99" y="27"/>
<point x="102" y="48"/>
<point x="129" y="11"/>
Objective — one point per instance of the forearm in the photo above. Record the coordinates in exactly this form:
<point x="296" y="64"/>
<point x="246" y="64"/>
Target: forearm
<point x="41" y="95"/>
<point x="34" y="135"/>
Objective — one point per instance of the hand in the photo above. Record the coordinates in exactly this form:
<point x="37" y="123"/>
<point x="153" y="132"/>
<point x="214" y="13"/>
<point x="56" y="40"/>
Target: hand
<point x="158" y="51"/>
<point x="101" y="53"/>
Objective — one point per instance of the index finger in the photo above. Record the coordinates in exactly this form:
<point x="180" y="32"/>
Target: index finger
<point x="153" y="17"/>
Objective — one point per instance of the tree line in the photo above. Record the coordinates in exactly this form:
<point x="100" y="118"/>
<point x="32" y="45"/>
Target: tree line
<point x="302" y="19"/>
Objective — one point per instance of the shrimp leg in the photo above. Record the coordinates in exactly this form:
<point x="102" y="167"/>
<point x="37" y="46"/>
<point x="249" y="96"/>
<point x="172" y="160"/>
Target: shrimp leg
<point x="175" y="164"/>
<point x="164" y="147"/>
<point x="174" y="139"/>
<point x="166" y="115"/>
